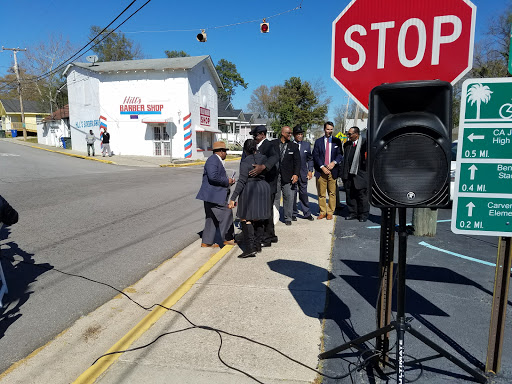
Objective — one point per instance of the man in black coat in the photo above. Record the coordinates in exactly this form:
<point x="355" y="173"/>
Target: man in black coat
<point x="355" y="177"/>
<point x="306" y="173"/>
<point x="288" y="172"/>
<point x="265" y="147"/>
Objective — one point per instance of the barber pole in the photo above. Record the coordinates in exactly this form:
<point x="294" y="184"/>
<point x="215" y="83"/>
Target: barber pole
<point x="187" y="124"/>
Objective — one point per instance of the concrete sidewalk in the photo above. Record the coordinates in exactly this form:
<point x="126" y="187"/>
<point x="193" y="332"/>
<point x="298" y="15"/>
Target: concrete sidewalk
<point x="275" y="298"/>
<point x="130" y="161"/>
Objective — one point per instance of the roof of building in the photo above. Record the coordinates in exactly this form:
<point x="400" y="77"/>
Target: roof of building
<point x="29" y="106"/>
<point x="148" y="64"/>
<point x="224" y="105"/>
<point x="62" y="113"/>
<point x="230" y="113"/>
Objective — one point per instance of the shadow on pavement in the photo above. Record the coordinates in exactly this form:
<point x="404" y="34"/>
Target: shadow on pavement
<point x="19" y="275"/>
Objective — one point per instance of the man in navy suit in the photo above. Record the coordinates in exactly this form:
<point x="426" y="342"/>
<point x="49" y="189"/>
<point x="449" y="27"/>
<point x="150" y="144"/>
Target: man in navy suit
<point x="326" y="157"/>
<point x="306" y="173"/>
<point x="214" y="192"/>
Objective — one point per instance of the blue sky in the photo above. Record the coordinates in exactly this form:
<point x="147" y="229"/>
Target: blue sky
<point x="298" y="44"/>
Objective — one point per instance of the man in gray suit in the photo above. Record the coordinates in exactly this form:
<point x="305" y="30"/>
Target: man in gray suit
<point x="306" y="173"/>
<point x="214" y="192"/>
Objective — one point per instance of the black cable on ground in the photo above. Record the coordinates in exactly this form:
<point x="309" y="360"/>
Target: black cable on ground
<point x="193" y="326"/>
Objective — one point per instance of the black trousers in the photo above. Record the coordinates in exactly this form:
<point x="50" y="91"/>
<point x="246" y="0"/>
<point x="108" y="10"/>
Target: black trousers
<point x="356" y="199"/>
<point x="268" y="225"/>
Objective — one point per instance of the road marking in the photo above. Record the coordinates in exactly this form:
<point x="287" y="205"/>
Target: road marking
<point x="439" y="221"/>
<point x="93" y="372"/>
<point x="457" y="254"/>
<point x="8" y="154"/>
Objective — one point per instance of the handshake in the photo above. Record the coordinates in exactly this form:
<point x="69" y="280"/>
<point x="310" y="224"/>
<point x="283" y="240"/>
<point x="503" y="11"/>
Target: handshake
<point x="8" y="214"/>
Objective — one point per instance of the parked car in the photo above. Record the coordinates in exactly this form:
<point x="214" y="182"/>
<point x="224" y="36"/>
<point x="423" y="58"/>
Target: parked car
<point x="453" y="168"/>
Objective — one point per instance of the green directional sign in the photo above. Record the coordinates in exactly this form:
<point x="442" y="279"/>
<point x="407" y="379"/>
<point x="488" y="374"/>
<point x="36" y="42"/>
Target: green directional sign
<point x="485" y="178"/>
<point x="482" y="202"/>
<point x="484" y="214"/>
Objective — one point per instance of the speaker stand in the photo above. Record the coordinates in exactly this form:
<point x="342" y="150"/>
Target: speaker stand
<point x="400" y="325"/>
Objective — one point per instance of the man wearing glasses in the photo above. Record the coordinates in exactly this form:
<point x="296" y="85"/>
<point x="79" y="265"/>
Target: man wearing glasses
<point x="355" y="177"/>
<point x="288" y="172"/>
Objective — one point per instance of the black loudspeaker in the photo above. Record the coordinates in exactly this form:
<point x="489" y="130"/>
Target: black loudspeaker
<point x="409" y="144"/>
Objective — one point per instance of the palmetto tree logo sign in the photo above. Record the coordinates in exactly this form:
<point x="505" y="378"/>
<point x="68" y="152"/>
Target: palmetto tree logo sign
<point x="479" y="93"/>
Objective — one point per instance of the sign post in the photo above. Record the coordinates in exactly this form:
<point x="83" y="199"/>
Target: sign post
<point x="482" y="203"/>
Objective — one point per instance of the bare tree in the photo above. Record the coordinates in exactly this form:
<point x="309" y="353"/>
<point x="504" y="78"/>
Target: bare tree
<point x="261" y="98"/>
<point x="41" y="63"/>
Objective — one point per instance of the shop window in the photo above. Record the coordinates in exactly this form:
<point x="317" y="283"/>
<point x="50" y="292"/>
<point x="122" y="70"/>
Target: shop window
<point x="166" y="135"/>
<point x="167" y="148"/>
<point x="158" y="148"/>
<point x="156" y="134"/>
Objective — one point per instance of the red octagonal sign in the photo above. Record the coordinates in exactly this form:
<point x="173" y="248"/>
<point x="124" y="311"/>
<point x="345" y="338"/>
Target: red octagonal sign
<point x="384" y="41"/>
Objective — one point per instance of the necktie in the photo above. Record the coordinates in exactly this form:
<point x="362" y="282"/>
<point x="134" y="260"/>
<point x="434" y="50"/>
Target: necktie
<point x="327" y="152"/>
<point x="354" y="144"/>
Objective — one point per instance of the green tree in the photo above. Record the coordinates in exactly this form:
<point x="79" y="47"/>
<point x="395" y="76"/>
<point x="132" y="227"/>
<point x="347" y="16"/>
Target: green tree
<point x="230" y="79"/>
<point x="298" y="103"/>
<point x="173" y="54"/>
<point x="115" y="47"/>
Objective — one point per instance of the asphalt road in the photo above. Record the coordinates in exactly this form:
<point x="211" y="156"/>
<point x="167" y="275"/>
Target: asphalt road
<point x="448" y="299"/>
<point x="108" y="223"/>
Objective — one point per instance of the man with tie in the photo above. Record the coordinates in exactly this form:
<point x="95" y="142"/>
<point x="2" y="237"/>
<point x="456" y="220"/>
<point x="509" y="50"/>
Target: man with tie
<point x="355" y="177"/>
<point x="306" y="173"/>
<point x="326" y="157"/>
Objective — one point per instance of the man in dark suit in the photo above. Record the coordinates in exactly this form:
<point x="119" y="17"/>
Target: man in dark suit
<point x="306" y="173"/>
<point x="326" y="157"/>
<point x="214" y="192"/>
<point x="355" y="177"/>
<point x="265" y="147"/>
<point x="288" y="172"/>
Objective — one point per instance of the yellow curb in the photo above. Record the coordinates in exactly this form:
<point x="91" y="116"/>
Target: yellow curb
<point x="93" y="372"/>
<point x="73" y="155"/>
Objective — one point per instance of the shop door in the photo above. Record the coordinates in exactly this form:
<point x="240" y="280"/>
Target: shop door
<point x="161" y="143"/>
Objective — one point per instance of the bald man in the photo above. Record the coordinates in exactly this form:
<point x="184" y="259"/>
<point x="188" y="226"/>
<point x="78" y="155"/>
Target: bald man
<point x="288" y="172"/>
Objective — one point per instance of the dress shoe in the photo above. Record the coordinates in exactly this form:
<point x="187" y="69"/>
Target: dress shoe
<point x="321" y="216"/>
<point x="203" y="245"/>
<point x="229" y="242"/>
<point x="294" y="219"/>
<point x="246" y="254"/>
<point x="266" y="244"/>
<point x="363" y="219"/>
<point x="273" y="239"/>
<point x="351" y="217"/>
<point x="329" y="217"/>
<point x="288" y="222"/>
<point x="310" y="218"/>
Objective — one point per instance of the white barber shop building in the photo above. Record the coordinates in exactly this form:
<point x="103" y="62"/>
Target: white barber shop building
<point x="155" y="107"/>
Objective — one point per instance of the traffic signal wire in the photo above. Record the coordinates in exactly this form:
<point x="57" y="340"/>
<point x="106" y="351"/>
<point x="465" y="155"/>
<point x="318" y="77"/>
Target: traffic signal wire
<point x="65" y="62"/>
<point x="219" y="332"/>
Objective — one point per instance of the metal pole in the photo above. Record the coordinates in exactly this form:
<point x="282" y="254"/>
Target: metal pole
<point x="387" y="247"/>
<point x="346" y="115"/>
<point x="16" y="50"/>
<point x="499" y="305"/>
<point x="400" y="296"/>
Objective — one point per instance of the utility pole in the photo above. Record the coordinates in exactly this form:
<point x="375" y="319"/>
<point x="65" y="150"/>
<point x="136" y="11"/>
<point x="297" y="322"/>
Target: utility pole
<point x="16" y="50"/>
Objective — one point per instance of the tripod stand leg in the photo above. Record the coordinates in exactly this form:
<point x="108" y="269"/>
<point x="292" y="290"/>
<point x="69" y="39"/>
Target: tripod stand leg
<point x="358" y="341"/>
<point x="477" y="375"/>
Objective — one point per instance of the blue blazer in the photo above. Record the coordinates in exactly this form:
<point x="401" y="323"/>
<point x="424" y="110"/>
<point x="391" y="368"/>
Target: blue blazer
<point x="319" y="155"/>
<point x="306" y="160"/>
<point x="215" y="185"/>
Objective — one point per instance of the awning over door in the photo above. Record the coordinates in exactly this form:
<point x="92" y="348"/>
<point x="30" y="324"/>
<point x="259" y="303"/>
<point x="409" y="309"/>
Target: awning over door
<point x="207" y="129"/>
<point x="156" y="120"/>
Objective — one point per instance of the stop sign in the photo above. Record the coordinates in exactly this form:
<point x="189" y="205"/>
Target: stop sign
<point x="377" y="41"/>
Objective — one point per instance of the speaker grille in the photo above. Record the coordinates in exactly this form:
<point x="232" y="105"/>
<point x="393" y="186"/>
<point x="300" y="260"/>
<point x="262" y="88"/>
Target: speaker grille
<point x="410" y="170"/>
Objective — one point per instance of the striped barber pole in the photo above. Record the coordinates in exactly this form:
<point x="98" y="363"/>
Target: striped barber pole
<point x="187" y="124"/>
<point x="103" y="125"/>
